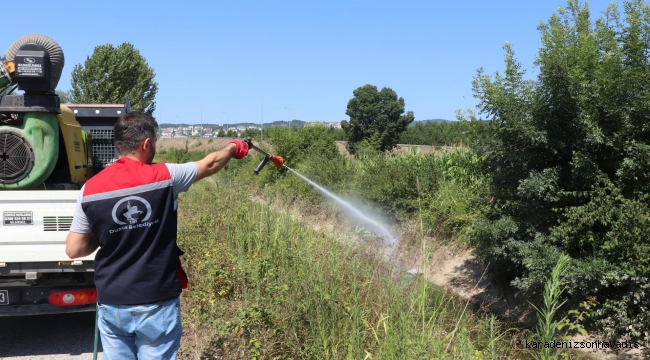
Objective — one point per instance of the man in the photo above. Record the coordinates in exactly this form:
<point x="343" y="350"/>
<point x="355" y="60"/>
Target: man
<point x="128" y="211"/>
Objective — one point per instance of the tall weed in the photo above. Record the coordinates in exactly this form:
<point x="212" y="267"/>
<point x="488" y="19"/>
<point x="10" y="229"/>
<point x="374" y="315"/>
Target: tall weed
<point x="546" y="315"/>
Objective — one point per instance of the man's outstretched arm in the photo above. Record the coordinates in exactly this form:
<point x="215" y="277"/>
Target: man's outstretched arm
<point x="215" y="161"/>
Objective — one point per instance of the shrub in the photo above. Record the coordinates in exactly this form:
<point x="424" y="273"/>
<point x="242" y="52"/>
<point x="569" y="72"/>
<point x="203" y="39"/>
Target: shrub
<point x="435" y="133"/>
<point x="569" y="159"/>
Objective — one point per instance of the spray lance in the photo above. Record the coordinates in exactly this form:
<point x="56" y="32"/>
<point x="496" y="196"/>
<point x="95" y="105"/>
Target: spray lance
<point x="276" y="160"/>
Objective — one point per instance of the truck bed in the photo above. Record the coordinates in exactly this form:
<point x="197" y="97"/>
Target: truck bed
<point x="33" y="262"/>
<point x="35" y="224"/>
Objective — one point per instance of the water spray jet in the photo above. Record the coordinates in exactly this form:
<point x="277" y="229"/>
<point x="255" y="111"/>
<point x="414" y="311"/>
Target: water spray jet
<point x="372" y="223"/>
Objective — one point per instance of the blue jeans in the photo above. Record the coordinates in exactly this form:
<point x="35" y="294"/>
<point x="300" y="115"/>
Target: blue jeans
<point x="151" y="331"/>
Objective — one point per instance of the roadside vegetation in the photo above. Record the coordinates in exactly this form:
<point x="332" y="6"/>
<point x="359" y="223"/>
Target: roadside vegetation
<point x="269" y="284"/>
<point x="265" y="285"/>
<point x="557" y="169"/>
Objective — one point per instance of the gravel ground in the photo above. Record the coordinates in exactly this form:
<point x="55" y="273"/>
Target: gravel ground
<point x="48" y="337"/>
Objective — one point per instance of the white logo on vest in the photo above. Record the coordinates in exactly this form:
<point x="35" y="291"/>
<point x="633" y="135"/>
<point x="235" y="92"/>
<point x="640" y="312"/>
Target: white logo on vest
<point x="136" y="212"/>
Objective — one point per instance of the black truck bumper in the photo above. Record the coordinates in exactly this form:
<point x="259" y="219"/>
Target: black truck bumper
<point x="41" y="309"/>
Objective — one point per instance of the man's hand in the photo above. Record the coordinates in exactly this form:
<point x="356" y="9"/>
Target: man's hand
<point x="242" y="148"/>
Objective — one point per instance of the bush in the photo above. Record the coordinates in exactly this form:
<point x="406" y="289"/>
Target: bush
<point x="569" y="159"/>
<point x="435" y="133"/>
<point x="392" y="183"/>
<point x="250" y="133"/>
<point x="446" y="188"/>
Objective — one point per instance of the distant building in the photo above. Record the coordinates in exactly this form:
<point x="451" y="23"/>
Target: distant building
<point x="336" y="124"/>
<point x="166" y="133"/>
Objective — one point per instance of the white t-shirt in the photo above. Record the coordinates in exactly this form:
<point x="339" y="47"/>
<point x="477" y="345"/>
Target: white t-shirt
<point x="183" y="176"/>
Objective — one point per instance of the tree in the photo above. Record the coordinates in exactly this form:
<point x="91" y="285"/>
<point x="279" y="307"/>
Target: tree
<point x="111" y="74"/>
<point x="65" y="96"/>
<point x="338" y="134"/>
<point x="250" y="133"/>
<point x="375" y="116"/>
<point x="569" y="158"/>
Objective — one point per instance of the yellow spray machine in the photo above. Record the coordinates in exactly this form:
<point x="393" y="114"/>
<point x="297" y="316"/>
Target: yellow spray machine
<point x="40" y="140"/>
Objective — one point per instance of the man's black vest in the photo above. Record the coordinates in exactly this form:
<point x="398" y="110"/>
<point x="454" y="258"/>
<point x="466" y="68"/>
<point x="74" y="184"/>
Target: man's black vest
<point x="130" y="208"/>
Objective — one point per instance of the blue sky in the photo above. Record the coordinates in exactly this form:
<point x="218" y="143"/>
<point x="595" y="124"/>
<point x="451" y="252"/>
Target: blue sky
<point x="305" y="57"/>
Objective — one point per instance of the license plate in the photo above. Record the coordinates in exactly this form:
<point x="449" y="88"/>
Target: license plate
<point x="4" y="297"/>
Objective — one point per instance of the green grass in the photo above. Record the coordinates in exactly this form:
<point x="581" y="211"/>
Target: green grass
<point x="264" y="285"/>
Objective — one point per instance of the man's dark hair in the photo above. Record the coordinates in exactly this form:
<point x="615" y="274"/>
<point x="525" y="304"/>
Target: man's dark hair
<point x="131" y="129"/>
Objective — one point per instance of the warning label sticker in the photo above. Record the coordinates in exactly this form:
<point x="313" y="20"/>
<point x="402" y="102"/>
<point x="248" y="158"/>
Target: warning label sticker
<point x="17" y="218"/>
<point x="29" y="69"/>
